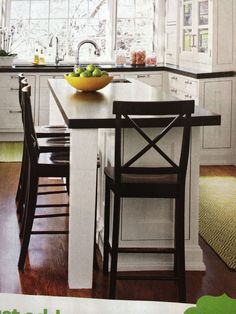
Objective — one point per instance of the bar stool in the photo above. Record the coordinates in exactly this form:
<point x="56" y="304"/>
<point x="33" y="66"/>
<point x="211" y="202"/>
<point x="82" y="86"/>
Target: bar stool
<point x="39" y="165"/>
<point x="127" y="180"/>
<point x="60" y="142"/>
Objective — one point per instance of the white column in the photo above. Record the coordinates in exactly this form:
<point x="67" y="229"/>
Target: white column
<point x="83" y="164"/>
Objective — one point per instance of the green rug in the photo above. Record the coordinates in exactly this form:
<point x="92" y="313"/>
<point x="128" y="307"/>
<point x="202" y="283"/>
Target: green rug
<point x="217" y="216"/>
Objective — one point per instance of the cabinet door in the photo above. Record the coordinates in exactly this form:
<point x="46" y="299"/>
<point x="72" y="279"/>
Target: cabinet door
<point x="171" y="11"/>
<point x="195" y="34"/>
<point x="43" y="114"/>
<point x="218" y="98"/>
<point x="171" y="44"/>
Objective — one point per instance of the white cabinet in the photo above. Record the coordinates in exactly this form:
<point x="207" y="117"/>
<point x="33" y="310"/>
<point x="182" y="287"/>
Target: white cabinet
<point x="172" y="32"/>
<point x="172" y="7"/>
<point x="206" y="34"/>
<point x="216" y="95"/>
<point x="183" y="87"/>
<point x="152" y="79"/>
<point x="218" y="142"/>
<point x="43" y="108"/>
<point x="10" y="111"/>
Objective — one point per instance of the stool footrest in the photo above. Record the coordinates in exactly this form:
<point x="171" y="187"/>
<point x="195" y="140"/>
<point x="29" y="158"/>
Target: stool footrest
<point x="146" y="277"/>
<point x="50" y="232"/>
<point x="145" y="250"/>
<point x="51" y="184"/>
<point x="52" y="192"/>
<point x="52" y="215"/>
<point x="51" y="205"/>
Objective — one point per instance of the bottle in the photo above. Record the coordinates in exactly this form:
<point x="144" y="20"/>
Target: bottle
<point x="41" y="57"/>
<point x="36" y="57"/>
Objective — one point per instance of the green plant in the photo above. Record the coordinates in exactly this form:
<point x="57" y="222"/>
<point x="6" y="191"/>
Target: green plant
<point x="4" y="53"/>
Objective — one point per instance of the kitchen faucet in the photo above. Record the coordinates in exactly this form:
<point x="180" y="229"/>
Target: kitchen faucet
<point x="87" y="41"/>
<point x="57" y="58"/>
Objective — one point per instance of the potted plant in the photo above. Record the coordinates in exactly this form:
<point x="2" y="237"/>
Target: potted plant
<point x="6" y="58"/>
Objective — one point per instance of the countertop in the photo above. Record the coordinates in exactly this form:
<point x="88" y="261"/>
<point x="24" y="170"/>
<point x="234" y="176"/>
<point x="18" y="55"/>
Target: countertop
<point x="94" y="109"/>
<point x="64" y="68"/>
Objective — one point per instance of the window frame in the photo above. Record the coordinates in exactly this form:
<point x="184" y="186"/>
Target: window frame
<point x="112" y="28"/>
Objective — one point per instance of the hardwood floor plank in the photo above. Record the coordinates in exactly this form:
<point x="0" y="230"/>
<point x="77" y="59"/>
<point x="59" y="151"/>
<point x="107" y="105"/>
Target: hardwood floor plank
<point x="46" y="267"/>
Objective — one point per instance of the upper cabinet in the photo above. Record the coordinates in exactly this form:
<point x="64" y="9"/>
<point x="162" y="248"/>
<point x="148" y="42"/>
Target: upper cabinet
<point x="195" y="31"/>
<point x="171" y="32"/>
<point x="204" y="34"/>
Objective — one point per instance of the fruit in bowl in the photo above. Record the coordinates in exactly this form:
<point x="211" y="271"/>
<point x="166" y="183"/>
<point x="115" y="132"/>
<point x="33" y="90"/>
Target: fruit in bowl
<point x="90" y="78"/>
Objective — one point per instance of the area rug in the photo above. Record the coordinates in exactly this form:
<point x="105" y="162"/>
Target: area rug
<point x="217" y="216"/>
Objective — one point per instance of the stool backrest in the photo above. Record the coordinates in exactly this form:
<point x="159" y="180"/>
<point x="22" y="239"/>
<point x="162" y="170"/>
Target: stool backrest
<point x="28" y="123"/>
<point x="130" y="114"/>
<point x="20" y="78"/>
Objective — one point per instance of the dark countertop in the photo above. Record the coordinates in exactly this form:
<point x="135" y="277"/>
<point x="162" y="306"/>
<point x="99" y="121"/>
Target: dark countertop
<point x="94" y="109"/>
<point x="193" y="73"/>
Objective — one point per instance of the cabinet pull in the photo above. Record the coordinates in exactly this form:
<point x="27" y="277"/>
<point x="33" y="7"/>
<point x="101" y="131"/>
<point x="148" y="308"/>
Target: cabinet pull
<point x="14" y="88"/>
<point x="174" y="78"/>
<point x="169" y="54"/>
<point x="174" y="90"/>
<point x="15" y="111"/>
<point x="14" y="77"/>
<point x="140" y="75"/>
<point x="188" y="96"/>
<point x="194" y="45"/>
<point x="188" y="82"/>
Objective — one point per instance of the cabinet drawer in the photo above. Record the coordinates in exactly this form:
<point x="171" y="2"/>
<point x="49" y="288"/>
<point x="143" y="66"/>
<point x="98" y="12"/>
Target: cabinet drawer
<point x="10" y="97"/>
<point x="150" y="79"/>
<point x="181" y="83"/>
<point x="11" y="119"/>
<point x="12" y="81"/>
<point x="44" y="79"/>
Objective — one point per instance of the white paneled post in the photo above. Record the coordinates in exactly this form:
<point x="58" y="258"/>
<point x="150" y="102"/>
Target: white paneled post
<point x="83" y="164"/>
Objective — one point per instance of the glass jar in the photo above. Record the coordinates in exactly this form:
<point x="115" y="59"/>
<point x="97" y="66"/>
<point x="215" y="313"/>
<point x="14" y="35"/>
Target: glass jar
<point x="120" y="57"/>
<point x="138" y="56"/>
<point x="151" y="59"/>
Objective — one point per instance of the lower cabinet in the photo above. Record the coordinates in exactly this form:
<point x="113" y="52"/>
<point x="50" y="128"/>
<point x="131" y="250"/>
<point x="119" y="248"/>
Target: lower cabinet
<point x="218" y="142"/>
<point x="216" y="95"/>
<point x="152" y="79"/>
<point x="43" y="108"/>
<point x="11" y="127"/>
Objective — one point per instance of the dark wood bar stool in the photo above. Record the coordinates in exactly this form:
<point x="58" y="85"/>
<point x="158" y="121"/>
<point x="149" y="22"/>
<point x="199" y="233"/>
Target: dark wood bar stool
<point x="39" y="165"/>
<point x="127" y="180"/>
<point x="58" y="143"/>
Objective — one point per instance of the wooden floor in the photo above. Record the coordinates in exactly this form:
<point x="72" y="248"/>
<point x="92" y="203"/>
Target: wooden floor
<point x="46" y="268"/>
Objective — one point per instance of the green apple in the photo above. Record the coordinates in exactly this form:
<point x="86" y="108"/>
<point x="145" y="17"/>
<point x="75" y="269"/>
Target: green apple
<point x="90" y="67"/>
<point x="72" y="74"/>
<point x="97" y="72"/>
<point x="79" y="70"/>
<point x="85" y="74"/>
<point x="104" y="73"/>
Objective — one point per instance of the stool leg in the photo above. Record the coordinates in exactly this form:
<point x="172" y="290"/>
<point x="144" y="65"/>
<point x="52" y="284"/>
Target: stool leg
<point x="180" y="248"/>
<point x="114" y="249"/>
<point x="21" y="192"/>
<point x="29" y="218"/>
<point x="106" y="229"/>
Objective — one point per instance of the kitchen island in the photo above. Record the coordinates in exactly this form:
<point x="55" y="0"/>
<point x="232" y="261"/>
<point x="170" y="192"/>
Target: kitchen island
<point x="87" y="115"/>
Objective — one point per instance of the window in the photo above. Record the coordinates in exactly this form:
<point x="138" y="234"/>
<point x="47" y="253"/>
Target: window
<point x="112" y="24"/>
